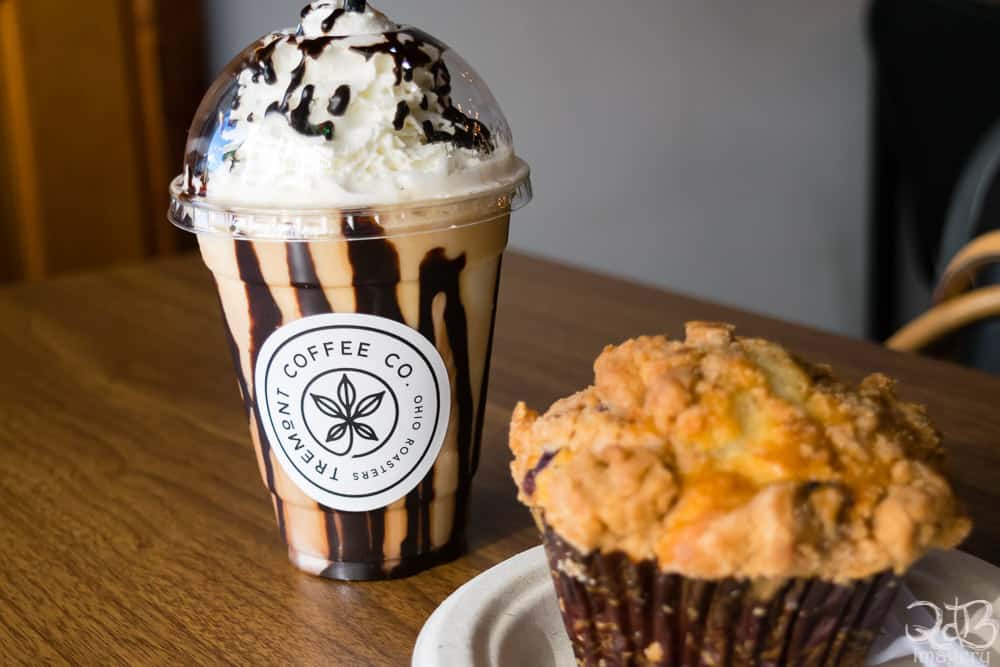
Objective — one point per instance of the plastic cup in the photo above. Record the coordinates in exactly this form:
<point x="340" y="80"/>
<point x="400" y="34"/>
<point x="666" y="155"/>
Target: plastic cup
<point x="440" y="284"/>
<point x="361" y="335"/>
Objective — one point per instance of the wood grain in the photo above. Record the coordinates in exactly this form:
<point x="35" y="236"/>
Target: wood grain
<point x="133" y="524"/>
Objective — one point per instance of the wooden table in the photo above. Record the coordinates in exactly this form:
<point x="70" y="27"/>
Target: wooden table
<point x="133" y="524"/>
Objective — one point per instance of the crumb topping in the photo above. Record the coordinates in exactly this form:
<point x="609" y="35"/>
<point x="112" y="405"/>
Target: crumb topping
<point x="724" y="456"/>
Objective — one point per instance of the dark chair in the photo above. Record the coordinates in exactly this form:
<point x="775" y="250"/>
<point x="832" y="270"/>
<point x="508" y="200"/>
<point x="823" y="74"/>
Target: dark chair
<point x="935" y="98"/>
<point x="963" y="324"/>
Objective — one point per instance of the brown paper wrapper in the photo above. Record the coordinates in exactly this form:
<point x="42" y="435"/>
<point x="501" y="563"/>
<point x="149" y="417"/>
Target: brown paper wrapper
<point x="621" y="612"/>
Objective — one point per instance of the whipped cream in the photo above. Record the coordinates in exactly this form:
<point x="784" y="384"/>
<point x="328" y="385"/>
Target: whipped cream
<point x="347" y="110"/>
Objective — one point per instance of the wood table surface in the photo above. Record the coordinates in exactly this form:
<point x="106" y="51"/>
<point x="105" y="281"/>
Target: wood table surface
<point x="134" y="527"/>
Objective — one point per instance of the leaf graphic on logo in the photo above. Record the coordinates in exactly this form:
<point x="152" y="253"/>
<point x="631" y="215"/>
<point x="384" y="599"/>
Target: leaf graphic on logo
<point x="348" y="412"/>
<point x="346" y="393"/>
<point x="328" y="407"/>
<point x="368" y="405"/>
<point x="337" y="432"/>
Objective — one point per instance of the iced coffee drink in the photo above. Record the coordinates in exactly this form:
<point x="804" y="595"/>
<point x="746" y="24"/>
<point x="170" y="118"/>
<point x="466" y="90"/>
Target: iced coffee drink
<point x="351" y="183"/>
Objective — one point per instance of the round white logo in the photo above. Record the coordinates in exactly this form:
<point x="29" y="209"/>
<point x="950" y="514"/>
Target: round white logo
<point x="355" y="407"/>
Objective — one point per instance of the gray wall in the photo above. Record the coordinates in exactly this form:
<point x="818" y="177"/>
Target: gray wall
<point x="708" y="146"/>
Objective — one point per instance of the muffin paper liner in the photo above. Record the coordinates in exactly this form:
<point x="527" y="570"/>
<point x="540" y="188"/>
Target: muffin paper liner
<point x="621" y="612"/>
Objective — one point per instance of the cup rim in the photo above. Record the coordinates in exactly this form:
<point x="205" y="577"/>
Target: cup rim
<point x="199" y="216"/>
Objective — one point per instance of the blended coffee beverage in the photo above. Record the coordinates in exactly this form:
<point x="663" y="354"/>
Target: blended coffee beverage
<point x="351" y="183"/>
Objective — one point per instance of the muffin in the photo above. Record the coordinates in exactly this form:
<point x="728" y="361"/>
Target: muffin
<point x="717" y="501"/>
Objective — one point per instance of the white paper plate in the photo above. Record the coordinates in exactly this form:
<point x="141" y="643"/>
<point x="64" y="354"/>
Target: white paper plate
<point x="508" y="616"/>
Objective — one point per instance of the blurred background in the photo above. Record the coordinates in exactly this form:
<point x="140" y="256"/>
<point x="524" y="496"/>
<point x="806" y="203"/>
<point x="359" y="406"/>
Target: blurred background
<point x="798" y="159"/>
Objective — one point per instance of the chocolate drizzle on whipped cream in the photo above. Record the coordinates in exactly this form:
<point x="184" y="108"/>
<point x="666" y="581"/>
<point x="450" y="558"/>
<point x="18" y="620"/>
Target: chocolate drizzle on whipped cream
<point x="331" y="20"/>
<point x="315" y="47"/>
<point x="330" y="78"/>
<point x="408" y="49"/>
<point x="339" y="101"/>
<point x="262" y="66"/>
<point x="402" y="111"/>
<point x="298" y="118"/>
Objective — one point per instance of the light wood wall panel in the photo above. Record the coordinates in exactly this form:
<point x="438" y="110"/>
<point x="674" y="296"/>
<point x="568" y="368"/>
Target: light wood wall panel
<point x="22" y="217"/>
<point x="90" y="148"/>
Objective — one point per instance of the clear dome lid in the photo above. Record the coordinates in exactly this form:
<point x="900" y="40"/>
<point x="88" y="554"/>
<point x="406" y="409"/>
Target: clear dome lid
<point x="347" y="115"/>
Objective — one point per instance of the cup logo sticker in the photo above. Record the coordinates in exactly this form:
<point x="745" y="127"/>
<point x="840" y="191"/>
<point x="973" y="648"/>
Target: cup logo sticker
<point x="355" y="407"/>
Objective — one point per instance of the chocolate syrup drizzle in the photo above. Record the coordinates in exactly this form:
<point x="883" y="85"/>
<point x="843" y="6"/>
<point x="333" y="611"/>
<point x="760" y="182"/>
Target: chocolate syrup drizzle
<point x="402" y="111"/>
<point x="339" y="101"/>
<point x="376" y="274"/>
<point x="329" y="21"/>
<point x="440" y="275"/>
<point x="314" y="47"/>
<point x="376" y="268"/>
<point x="355" y="539"/>
<point x="262" y="64"/>
<point x="408" y="56"/>
<point x="298" y="118"/>
<point x="376" y="277"/>
<point x="408" y="49"/>
<point x="265" y="320"/>
<point x="194" y="167"/>
<point x="302" y="272"/>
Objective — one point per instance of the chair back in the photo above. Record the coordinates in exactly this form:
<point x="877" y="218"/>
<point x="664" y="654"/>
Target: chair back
<point x="966" y="301"/>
